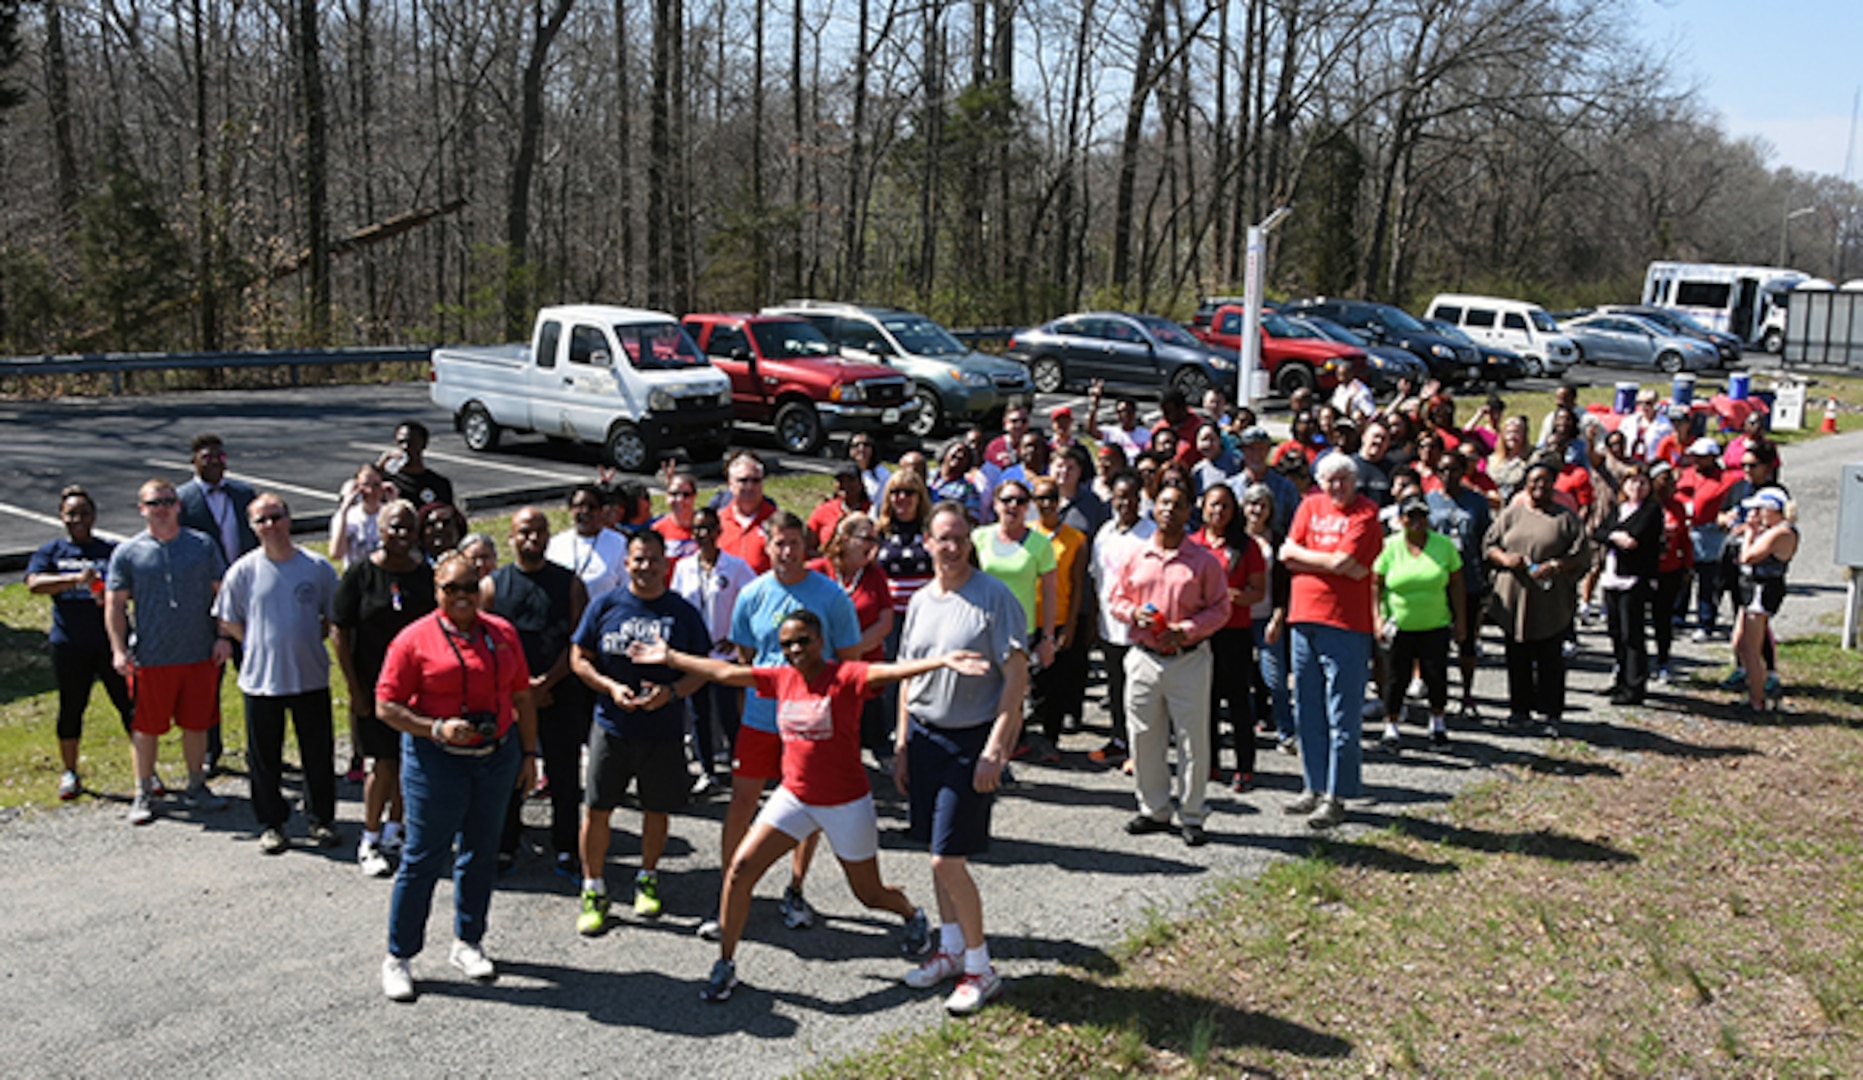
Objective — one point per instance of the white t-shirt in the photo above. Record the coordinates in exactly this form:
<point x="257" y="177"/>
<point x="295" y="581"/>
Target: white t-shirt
<point x="714" y="593"/>
<point x="362" y="534"/>
<point x="1134" y="442"/>
<point x="1112" y="546"/>
<point x="599" y="560"/>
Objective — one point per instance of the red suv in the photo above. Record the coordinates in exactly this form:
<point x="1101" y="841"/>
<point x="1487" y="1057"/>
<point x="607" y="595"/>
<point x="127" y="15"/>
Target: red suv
<point x="785" y="373"/>
<point x="1291" y="358"/>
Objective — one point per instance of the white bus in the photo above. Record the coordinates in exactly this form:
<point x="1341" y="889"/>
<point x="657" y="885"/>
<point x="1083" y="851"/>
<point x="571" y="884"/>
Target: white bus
<point x="1733" y="299"/>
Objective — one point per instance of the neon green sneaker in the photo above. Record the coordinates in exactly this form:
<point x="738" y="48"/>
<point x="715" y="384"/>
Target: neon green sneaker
<point x="594" y="917"/>
<point x="647" y="894"/>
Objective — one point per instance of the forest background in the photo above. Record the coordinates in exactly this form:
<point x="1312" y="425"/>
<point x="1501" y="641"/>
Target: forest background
<point x="222" y="174"/>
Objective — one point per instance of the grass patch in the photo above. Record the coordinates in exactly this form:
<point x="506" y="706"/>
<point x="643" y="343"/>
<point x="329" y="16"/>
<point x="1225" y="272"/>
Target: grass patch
<point x="1674" y="914"/>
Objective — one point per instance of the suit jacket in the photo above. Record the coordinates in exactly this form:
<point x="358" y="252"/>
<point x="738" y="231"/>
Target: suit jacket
<point x="195" y="513"/>
<point x="1644" y="526"/>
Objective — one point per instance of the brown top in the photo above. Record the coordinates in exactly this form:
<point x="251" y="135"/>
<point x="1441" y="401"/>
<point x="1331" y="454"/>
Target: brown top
<point x="1525" y="610"/>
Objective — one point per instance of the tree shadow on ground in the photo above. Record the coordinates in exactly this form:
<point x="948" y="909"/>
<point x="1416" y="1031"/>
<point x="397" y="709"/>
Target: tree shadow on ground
<point x="1185" y="1024"/>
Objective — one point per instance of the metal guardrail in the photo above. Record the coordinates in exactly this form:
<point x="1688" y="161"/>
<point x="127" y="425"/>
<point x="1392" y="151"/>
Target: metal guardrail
<point x="116" y="365"/>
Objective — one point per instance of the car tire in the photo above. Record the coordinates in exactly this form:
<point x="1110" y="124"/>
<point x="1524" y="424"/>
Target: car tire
<point x="1047" y="374"/>
<point x="930" y="415"/>
<point x="1193" y="383"/>
<point x="1536" y="369"/>
<point x="799" y="428"/>
<point x="1293" y="375"/>
<point x="476" y="426"/>
<point x="1773" y="341"/>
<point x="627" y="449"/>
<point x="1669" y="362"/>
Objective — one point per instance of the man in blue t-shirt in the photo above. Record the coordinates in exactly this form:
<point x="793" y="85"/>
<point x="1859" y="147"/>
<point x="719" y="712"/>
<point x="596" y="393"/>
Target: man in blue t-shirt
<point x="640" y="721"/>
<point x="787" y="587"/>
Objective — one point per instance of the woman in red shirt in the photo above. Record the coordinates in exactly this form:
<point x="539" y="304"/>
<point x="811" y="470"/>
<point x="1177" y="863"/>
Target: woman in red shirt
<point x="818" y="704"/>
<point x="848" y="558"/>
<point x="1331" y="547"/>
<point x="1234" y="644"/>
<point x="1677" y="559"/>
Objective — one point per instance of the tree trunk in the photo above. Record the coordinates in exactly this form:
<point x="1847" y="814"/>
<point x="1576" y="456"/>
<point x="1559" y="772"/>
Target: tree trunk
<point x="1129" y="148"/>
<point x="518" y="284"/>
<point x="316" y="167"/>
<point x="58" y="104"/>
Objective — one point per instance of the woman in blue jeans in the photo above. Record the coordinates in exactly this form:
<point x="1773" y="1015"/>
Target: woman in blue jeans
<point x="455" y="684"/>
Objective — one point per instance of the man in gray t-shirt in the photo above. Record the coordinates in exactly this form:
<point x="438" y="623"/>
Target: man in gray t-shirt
<point x="278" y="601"/>
<point x="953" y="739"/>
<point x="169" y="574"/>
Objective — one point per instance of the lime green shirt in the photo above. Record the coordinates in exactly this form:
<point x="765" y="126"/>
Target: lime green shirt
<point x="1416" y="587"/>
<point x="1019" y="566"/>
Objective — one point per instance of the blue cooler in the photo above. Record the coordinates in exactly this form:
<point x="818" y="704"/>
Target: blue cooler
<point x="1682" y="393"/>
<point x="1739" y="385"/>
<point x="1625" y="402"/>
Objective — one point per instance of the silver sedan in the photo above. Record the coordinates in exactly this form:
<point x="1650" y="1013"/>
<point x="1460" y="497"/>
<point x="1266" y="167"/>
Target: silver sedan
<point x="1635" y="342"/>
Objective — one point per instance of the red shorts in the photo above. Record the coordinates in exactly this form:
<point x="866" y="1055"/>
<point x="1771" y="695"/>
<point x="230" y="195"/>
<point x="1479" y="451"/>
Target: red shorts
<point x="187" y="695"/>
<point x="758" y="755"/>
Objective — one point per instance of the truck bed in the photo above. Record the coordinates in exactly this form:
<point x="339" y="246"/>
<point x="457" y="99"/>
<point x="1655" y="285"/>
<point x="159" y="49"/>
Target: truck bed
<point x="516" y="354"/>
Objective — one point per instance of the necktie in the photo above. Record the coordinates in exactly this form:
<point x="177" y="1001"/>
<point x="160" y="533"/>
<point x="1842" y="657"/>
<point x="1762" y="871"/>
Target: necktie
<point x="221" y="505"/>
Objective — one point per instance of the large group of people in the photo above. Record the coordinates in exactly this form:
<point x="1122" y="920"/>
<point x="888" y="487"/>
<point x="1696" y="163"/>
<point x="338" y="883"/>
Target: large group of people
<point x="943" y="614"/>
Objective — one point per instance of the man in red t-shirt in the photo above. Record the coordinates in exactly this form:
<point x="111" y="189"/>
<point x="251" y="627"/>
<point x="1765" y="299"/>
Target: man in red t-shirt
<point x="1331" y="547"/>
<point x="740" y="520"/>
<point x="818" y="707"/>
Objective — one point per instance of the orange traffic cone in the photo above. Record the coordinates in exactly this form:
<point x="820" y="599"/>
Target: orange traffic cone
<point x="1829" y="427"/>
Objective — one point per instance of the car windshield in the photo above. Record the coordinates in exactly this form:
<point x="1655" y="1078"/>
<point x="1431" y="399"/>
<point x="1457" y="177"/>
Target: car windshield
<point x="1542" y="321"/>
<point x="1688" y="322"/>
<point x="1333" y="330"/>
<point x="1167" y="331"/>
<point x="1450" y="331"/>
<point x="920" y="336"/>
<point x="658" y="347"/>
<point x="1399" y="319"/>
<point x="795" y="340"/>
<point x="1283" y="327"/>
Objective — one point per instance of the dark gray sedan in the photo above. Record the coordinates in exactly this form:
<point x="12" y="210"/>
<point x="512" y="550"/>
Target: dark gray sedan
<point x="1134" y="352"/>
<point x="1635" y="342"/>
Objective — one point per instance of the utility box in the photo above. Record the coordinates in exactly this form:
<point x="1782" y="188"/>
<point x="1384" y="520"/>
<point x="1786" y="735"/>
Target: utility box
<point x="1850" y="518"/>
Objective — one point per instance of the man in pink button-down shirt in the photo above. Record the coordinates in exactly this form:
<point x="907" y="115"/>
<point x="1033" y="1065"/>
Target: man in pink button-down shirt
<point x="1174" y="595"/>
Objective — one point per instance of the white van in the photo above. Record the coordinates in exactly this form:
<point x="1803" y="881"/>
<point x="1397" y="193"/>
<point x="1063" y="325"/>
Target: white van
<point x="1509" y="324"/>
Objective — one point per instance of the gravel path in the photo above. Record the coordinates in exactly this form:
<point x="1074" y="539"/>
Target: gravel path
<point x="179" y="949"/>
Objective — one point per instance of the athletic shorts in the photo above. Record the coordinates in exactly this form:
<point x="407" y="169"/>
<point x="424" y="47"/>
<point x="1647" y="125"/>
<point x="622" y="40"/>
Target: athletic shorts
<point x="852" y="828"/>
<point x="758" y="754"/>
<point x="656" y="768"/>
<point x="171" y="695"/>
<point x="379" y="741"/>
<point x="1762" y="596"/>
<point x="947" y="810"/>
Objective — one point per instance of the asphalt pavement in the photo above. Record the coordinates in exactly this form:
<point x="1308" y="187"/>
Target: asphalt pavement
<point x="178" y="949"/>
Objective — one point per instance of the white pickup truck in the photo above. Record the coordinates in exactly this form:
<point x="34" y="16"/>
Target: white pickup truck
<point x="627" y="380"/>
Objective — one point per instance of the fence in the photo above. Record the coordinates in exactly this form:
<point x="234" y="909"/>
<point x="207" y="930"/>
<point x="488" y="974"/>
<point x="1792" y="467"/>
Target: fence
<point x="122" y="367"/>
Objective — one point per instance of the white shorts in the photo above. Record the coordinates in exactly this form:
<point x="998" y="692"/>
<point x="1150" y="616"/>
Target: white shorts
<point x="852" y="828"/>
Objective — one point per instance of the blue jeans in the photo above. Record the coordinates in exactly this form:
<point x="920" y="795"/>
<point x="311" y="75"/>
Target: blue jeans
<point x="449" y="797"/>
<point x="1330" y="668"/>
<point x="1274" y="673"/>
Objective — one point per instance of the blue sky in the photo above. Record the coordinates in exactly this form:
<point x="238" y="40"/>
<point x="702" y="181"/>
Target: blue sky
<point x="1785" y="72"/>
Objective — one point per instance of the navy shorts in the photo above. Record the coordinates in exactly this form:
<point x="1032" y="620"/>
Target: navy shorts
<point x="947" y="809"/>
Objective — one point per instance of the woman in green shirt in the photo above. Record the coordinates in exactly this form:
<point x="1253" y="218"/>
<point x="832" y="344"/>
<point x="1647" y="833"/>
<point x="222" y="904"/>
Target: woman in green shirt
<point x="1418" y="578"/>
<point x="1023" y="559"/>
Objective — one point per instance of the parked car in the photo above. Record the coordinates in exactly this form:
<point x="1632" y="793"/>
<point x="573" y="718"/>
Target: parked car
<point x="1626" y="339"/>
<point x="784" y="373"/>
<point x="1498" y="365"/>
<point x="1206" y="309"/>
<point x="1291" y="355"/>
<point x="1682" y="324"/>
<point x="1513" y="325"/>
<point x="1384" y="364"/>
<point x="951" y="382"/>
<point x="1141" y="352"/>
<point x="629" y="381"/>
<point x="1449" y="361"/>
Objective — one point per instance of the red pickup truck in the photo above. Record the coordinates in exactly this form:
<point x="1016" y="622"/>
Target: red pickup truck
<point x="785" y="373"/>
<point x="1291" y="358"/>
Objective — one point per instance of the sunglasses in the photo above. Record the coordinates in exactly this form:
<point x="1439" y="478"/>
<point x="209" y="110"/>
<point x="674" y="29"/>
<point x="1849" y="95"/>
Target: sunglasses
<point x="1047" y="498"/>
<point x="1013" y="500"/>
<point x="795" y="642"/>
<point x="680" y="494"/>
<point x="164" y="501"/>
<point x="468" y="587"/>
<point x="267" y="519"/>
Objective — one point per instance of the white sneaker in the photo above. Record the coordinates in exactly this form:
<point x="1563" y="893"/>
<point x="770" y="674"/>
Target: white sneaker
<point x="373" y="862"/>
<point x="468" y="958"/>
<point x="393" y="842"/>
<point x="937" y="967"/>
<point x="1417" y="689"/>
<point x="973" y="993"/>
<point x="1700" y="635"/>
<point x="397" y="981"/>
<point x="1568" y="650"/>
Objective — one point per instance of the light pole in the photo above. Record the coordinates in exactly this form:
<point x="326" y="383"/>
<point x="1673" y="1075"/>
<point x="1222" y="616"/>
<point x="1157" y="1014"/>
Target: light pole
<point x="1785" y="222"/>
<point x="1254" y="270"/>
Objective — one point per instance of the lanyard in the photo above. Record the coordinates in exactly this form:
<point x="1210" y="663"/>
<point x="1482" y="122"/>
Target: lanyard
<point x="465" y="685"/>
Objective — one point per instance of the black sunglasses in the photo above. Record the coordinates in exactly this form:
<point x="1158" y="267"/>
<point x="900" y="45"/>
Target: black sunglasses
<point x="267" y="519"/>
<point x="165" y="500"/>
<point x="796" y="642"/>
<point x="460" y="588"/>
<point x="1013" y="500"/>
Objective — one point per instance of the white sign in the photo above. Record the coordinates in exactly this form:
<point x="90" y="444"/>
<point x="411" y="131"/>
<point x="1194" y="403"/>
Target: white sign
<point x="1788" y="407"/>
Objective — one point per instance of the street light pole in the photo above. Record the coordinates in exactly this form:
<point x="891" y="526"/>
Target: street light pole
<point x="1785" y="222"/>
<point x="1254" y="270"/>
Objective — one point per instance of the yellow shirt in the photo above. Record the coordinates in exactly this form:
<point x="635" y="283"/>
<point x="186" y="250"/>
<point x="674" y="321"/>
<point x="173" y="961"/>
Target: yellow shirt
<point x="1070" y="546"/>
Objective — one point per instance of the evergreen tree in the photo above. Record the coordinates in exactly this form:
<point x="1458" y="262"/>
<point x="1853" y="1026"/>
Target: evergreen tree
<point x="132" y="263"/>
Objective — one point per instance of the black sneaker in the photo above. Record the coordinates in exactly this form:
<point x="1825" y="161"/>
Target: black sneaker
<point x="723" y="980"/>
<point x="1140" y="825"/>
<point x="1194" y="836"/>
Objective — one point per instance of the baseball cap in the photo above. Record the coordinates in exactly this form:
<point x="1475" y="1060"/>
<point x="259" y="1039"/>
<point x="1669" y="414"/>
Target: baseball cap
<point x="1059" y="411"/>
<point x="1413" y="505"/>
<point x="1704" y="447"/>
<point x="1255" y="435"/>
<point x="1770" y="497"/>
